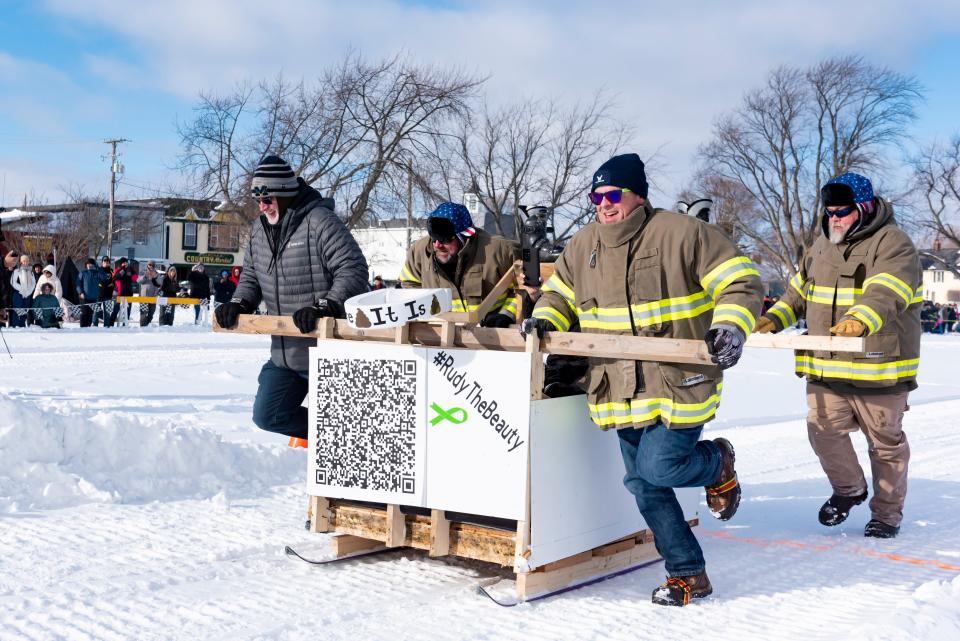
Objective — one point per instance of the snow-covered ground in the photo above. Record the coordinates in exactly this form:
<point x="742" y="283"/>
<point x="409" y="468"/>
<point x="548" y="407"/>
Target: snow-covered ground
<point x="138" y="501"/>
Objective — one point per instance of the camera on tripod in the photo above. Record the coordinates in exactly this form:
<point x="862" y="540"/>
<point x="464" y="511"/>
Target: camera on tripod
<point x="535" y="245"/>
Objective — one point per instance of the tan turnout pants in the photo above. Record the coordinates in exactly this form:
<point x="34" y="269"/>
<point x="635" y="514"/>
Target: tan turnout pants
<point x="831" y="420"/>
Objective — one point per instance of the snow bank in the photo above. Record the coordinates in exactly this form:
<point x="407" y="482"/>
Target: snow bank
<point x="933" y="612"/>
<point x="51" y="460"/>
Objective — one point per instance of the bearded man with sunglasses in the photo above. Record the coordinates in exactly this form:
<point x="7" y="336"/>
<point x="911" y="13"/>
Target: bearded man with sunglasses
<point x="300" y="260"/>
<point x="861" y="277"/>
<point x="645" y="272"/>
<point x="468" y="261"/>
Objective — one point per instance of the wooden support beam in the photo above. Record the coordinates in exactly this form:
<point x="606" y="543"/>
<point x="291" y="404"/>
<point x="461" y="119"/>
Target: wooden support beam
<point x="602" y="561"/>
<point x="396" y="526"/>
<point x="807" y="342"/>
<point x="506" y="282"/>
<point x="439" y="533"/>
<point x="346" y="544"/>
<point x="402" y="336"/>
<point x="537" y="369"/>
<point x="319" y="512"/>
<point x="448" y="334"/>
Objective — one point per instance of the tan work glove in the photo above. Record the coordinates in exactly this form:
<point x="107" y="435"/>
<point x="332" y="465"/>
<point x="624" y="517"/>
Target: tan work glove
<point x="848" y="327"/>
<point x="764" y="326"/>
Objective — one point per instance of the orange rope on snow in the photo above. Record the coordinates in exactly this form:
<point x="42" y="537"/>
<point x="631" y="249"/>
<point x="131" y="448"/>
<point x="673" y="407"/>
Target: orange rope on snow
<point x="823" y="547"/>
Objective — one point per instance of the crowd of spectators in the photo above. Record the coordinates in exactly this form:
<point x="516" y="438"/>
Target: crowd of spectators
<point x="33" y="294"/>
<point x="939" y="319"/>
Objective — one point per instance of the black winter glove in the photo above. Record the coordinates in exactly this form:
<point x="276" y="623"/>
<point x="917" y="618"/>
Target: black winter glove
<point x="538" y="325"/>
<point x="725" y="346"/>
<point x="496" y="319"/>
<point x="228" y="313"/>
<point x="306" y="318"/>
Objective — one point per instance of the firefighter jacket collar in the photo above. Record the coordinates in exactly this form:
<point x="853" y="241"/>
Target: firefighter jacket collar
<point x="619" y="233"/>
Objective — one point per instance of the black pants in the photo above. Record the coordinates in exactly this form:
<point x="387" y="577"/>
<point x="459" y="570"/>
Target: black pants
<point x="86" y="316"/>
<point x="166" y="314"/>
<point x="146" y="313"/>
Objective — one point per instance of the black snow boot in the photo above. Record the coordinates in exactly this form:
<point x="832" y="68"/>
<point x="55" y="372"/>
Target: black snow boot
<point x="837" y="508"/>
<point x="880" y="530"/>
<point x="678" y="590"/>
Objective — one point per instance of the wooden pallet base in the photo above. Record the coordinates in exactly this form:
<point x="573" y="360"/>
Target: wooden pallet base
<point x="362" y="528"/>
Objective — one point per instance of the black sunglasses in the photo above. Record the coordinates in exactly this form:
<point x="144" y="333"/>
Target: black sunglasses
<point x="840" y="213"/>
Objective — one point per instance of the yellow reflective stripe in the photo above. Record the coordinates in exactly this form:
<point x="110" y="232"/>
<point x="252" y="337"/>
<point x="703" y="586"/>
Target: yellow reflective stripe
<point x="554" y="284"/>
<point x="736" y="314"/>
<point x="869" y="317"/>
<point x="506" y="304"/>
<point x="725" y="273"/>
<point x="557" y="319"/>
<point x="849" y="370"/>
<point x="797" y="283"/>
<point x="784" y="313"/>
<point x="645" y="314"/>
<point x="639" y="410"/>
<point x="667" y="309"/>
<point x="820" y="294"/>
<point x="917" y="297"/>
<point x="407" y="275"/>
<point x="891" y="282"/>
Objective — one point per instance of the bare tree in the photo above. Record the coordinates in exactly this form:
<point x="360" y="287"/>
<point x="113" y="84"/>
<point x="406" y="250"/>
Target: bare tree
<point x="936" y="173"/>
<point x="346" y="133"/>
<point x="797" y="131"/>
<point x="213" y="143"/>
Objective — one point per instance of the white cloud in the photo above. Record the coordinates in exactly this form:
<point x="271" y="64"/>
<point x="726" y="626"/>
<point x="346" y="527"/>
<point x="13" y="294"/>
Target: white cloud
<point x="673" y="66"/>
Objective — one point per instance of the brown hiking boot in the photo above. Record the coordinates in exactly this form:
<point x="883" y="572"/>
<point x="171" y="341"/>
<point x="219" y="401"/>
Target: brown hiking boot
<point x="723" y="497"/>
<point x="678" y="590"/>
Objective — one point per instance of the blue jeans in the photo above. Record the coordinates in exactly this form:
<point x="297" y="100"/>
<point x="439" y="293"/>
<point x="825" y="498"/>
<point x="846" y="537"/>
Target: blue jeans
<point x="658" y="459"/>
<point x="277" y="405"/>
<point x="16" y="320"/>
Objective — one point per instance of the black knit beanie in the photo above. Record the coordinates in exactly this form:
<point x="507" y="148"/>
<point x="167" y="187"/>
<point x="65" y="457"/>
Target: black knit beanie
<point x="625" y="171"/>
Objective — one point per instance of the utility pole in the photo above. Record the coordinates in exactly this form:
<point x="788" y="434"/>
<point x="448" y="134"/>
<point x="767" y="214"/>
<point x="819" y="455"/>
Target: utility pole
<point x="409" y="201"/>
<point x="113" y="188"/>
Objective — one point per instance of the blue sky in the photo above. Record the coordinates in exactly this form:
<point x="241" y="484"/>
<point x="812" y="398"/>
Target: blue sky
<point x="75" y="73"/>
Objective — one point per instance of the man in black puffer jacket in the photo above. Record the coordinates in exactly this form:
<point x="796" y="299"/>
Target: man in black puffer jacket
<point x="300" y="260"/>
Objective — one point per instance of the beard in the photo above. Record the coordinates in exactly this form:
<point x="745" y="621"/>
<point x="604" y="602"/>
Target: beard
<point x="837" y="235"/>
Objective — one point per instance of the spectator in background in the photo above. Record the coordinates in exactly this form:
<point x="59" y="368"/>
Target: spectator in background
<point x="46" y="307"/>
<point x="235" y="275"/>
<point x="199" y="288"/>
<point x="88" y="288"/>
<point x="149" y="285"/>
<point x="377" y="283"/>
<point x="107" y="291"/>
<point x="169" y="288"/>
<point x="6" y="293"/>
<point x="224" y="288"/>
<point x="49" y="275"/>
<point x="122" y="279"/>
<point x="23" y="282"/>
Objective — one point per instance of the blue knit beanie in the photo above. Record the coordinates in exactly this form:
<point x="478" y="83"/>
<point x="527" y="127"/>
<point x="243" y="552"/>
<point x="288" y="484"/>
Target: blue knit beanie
<point x="849" y="189"/>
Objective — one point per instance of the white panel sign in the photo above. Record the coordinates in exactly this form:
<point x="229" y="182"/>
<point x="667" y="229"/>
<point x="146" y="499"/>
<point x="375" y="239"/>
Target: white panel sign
<point x="367" y="423"/>
<point x="577" y="497"/>
<point x="478" y="410"/>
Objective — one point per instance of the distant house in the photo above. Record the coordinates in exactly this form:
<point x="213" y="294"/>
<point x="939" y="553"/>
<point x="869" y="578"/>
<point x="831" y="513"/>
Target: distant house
<point x="384" y="245"/>
<point x="941" y="285"/>
<point x="168" y="230"/>
<point x="206" y="235"/>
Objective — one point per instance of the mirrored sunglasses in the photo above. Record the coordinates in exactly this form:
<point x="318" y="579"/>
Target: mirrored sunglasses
<point x="613" y="196"/>
<point x="840" y="213"/>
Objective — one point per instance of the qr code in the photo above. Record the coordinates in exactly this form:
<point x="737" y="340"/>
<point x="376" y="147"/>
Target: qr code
<point x="366" y="424"/>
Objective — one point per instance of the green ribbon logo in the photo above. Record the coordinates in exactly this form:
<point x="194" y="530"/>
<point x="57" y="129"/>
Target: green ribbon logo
<point x="455" y="415"/>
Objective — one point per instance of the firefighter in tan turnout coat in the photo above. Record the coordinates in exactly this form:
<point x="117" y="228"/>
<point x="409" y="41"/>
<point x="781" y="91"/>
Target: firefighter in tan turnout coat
<point x="637" y="271"/>
<point x="860" y="278"/>
<point x="466" y="260"/>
